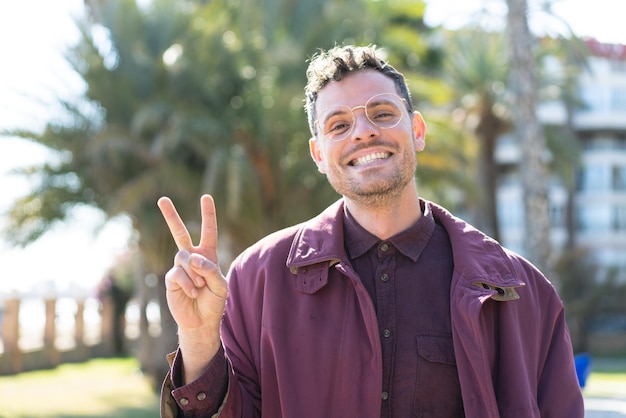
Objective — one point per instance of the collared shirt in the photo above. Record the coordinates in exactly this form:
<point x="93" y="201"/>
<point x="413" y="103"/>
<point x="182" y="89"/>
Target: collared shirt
<point x="408" y="278"/>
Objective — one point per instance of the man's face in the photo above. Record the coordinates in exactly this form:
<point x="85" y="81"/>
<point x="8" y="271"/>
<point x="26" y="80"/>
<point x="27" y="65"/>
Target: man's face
<point x="371" y="164"/>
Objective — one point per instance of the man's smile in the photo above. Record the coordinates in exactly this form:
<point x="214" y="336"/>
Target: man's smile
<point x="366" y="159"/>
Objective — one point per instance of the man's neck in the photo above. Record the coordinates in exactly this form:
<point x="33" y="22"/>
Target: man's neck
<point x="385" y="221"/>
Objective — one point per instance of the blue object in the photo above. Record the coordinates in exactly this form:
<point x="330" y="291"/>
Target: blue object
<point x="582" y="362"/>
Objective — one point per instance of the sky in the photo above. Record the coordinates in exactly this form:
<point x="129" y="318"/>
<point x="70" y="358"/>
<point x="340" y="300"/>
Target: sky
<point x="599" y="19"/>
<point x="75" y="255"/>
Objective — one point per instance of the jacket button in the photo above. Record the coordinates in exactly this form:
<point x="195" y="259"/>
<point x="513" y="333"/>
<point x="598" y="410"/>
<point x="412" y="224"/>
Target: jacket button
<point x="384" y="396"/>
<point x="184" y="401"/>
<point x="386" y="333"/>
<point x="201" y="396"/>
<point x="384" y="277"/>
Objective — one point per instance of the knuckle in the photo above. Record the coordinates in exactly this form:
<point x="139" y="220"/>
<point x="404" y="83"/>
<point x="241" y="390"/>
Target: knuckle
<point x="172" y="272"/>
<point x="173" y="275"/>
<point x="199" y="262"/>
<point x="176" y="278"/>
<point x="181" y="257"/>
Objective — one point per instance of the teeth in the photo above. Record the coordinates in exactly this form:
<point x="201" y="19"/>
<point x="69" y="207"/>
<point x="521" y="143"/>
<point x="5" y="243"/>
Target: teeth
<point x="370" y="157"/>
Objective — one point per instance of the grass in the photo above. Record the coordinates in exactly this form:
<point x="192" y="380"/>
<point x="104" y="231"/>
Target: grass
<point x="98" y="388"/>
<point x="116" y="388"/>
<point x="607" y="379"/>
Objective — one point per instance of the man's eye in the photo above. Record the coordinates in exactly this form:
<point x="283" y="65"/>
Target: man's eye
<point x="338" y="127"/>
<point x="384" y="114"/>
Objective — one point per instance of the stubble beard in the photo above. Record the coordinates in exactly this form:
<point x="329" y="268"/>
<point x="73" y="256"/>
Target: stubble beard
<point x="378" y="193"/>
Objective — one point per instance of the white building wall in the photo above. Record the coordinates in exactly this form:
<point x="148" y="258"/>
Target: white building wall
<point x="601" y="194"/>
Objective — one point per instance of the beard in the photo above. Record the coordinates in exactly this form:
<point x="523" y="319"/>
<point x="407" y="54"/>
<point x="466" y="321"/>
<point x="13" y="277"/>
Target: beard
<point x="379" y="194"/>
<point x="375" y="189"/>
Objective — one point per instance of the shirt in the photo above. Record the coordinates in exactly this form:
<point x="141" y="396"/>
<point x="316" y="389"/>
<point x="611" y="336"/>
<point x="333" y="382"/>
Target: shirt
<point x="408" y="278"/>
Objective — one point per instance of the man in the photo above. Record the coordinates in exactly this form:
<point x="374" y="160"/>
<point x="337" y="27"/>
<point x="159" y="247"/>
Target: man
<point x="384" y="305"/>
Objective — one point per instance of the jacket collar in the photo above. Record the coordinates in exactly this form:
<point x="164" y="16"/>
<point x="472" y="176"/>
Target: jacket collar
<point x="478" y="259"/>
<point x="319" y="240"/>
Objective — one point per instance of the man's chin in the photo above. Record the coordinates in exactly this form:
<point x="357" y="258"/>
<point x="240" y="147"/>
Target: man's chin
<point x="374" y="195"/>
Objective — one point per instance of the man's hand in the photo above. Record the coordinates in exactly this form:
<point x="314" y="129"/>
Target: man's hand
<point x="196" y="288"/>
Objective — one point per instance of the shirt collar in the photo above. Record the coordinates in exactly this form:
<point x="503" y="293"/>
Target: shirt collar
<point x="409" y="242"/>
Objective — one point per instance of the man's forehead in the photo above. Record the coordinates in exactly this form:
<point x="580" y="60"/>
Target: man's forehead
<point x="354" y="89"/>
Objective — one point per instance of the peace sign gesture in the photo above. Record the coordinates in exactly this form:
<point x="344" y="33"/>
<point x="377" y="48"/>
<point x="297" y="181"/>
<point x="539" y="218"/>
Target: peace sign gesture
<point x="195" y="287"/>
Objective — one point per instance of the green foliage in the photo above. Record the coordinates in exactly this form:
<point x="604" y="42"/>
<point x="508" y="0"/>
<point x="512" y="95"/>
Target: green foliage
<point x="475" y="63"/>
<point x="190" y="97"/>
<point x="184" y="98"/>
<point x="445" y="168"/>
<point x="476" y="69"/>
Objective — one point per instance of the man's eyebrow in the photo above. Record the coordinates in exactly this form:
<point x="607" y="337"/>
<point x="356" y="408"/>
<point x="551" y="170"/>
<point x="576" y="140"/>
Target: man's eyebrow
<point x="337" y="110"/>
<point x="382" y="101"/>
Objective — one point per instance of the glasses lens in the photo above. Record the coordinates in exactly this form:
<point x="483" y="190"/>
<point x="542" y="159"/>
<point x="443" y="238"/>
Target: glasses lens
<point x="336" y="122"/>
<point x="383" y="110"/>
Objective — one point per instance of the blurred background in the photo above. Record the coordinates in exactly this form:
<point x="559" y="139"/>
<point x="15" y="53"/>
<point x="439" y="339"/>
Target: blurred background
<point x="107" y="105"/>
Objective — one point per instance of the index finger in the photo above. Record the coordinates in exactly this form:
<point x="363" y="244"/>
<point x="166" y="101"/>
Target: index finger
<point x="175" y="224"/>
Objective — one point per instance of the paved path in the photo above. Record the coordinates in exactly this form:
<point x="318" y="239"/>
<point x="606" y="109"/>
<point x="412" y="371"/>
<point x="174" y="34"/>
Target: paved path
<point x="605" y="408"/>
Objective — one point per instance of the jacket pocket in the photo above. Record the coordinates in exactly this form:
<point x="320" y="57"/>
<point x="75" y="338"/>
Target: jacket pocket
<point x="437" y="386"/>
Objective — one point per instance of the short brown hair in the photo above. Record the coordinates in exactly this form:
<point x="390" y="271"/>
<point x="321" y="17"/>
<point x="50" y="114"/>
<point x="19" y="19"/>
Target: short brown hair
<point x="334" y="64"/>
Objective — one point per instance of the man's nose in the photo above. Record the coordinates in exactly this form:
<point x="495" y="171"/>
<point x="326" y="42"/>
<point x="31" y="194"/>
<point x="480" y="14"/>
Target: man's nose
<point x="363" y="127"/>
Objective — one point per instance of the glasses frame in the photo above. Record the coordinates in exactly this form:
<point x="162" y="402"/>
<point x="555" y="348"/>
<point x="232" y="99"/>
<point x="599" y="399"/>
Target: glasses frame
<point x="343" y="136"/>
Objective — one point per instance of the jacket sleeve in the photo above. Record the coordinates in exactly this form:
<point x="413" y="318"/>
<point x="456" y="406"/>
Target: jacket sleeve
<point x="241" y="335"/>
<point x="559" y="393"/>
<point x="230" y="386"/>
<point x="515" y="357"/>
<point x="201" y="398"/>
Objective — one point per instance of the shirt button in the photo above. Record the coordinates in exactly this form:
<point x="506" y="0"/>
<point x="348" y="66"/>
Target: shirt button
<point x="184" y="401"/>
<point x="384" y="247"/>
<point x="386" y="333"/>
<point x="201" y="396"/>
<point x="384" y="396"/>
<point x="384" y="277"/>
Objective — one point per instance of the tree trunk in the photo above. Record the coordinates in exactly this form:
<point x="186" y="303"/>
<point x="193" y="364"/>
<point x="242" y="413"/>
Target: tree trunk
<point x="487" y="131"/>
<point x="529" y="135"/>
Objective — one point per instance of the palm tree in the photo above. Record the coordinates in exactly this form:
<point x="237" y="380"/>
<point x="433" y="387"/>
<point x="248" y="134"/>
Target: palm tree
<point x="477" y="70"/>
<point x="184" y="98"/>
<point x="141" y="132"/>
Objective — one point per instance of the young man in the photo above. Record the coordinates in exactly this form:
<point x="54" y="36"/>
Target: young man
<point x="384" y="305"/>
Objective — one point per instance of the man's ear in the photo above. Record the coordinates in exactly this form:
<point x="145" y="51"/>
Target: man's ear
<point x="419" y="131"/>
<point x="316" y="154"/>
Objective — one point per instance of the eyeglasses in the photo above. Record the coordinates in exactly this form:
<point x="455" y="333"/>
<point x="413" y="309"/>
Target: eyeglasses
<point x="384" y="110"/>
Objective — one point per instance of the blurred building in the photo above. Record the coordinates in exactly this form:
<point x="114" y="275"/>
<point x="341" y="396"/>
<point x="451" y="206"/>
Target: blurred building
<point x="596" y="200"/>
